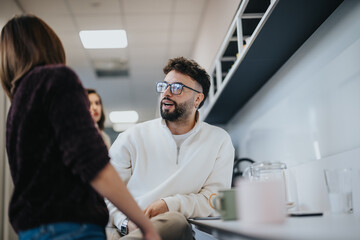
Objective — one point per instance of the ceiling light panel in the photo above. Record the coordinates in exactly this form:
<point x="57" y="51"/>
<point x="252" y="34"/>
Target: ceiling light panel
<point x="97" y="39"/>
<point x="124" y="116"/>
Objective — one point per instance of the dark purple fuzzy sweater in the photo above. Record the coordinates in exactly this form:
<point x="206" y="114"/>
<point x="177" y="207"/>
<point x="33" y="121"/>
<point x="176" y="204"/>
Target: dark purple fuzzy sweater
<point x="54" y="151"/>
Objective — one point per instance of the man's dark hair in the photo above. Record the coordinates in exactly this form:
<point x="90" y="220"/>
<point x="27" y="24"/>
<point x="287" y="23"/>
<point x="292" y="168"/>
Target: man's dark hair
<point x="191" y="69"/>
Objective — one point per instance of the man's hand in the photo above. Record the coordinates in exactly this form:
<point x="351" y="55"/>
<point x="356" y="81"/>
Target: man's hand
<point x="156" y="208"/>
<point x="152" y="210"/>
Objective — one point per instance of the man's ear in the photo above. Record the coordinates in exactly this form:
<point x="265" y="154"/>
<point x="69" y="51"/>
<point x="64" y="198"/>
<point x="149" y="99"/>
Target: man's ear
<point x="198" y="99"/>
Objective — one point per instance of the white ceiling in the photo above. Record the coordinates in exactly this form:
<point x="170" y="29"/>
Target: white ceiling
<point x="156" y="29"/>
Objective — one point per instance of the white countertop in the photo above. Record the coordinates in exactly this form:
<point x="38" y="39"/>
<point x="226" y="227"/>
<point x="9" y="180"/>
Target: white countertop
<point x="320" y="227"/>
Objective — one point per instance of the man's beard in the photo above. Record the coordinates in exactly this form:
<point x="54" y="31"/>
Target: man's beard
<point x="180" y="111"/>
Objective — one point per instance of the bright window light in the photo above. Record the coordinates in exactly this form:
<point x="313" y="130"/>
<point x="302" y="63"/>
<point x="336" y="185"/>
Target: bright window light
<point x="103" y="39"/>
<point x="124" y="117"/>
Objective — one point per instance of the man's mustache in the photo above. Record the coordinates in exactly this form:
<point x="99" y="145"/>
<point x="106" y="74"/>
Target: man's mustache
<point x="165" y="98"/>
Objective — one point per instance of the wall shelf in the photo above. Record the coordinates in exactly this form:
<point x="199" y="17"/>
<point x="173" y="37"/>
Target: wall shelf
<point x="273" y="31"/>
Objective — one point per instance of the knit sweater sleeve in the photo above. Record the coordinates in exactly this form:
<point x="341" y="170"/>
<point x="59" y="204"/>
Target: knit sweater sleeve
<point x="80" y="143"/>
<point x="120" y="154"/>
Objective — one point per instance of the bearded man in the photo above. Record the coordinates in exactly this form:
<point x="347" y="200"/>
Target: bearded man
<point x="172" y="164"/>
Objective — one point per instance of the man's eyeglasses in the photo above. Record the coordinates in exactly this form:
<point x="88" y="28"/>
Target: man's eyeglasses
<point x="175" y="88"/>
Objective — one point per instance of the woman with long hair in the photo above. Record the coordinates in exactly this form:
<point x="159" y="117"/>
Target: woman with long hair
<point x="97" y="113"/>
<point x="58" y="161"/>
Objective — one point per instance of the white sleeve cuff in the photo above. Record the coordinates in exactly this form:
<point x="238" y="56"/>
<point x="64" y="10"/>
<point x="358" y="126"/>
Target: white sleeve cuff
<point x="118" y="219"/>
<point x="172" y="203"/>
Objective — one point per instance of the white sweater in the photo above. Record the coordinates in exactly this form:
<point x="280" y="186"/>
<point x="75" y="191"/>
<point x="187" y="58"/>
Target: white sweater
<point x="149" y="161"/>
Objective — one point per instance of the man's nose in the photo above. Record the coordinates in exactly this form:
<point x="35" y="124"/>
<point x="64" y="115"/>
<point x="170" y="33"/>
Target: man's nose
<point x="167" y="91"/>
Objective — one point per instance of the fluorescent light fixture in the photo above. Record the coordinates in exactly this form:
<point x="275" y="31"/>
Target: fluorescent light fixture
<point x="124" y="116"/>
<point x="93" y="39"/>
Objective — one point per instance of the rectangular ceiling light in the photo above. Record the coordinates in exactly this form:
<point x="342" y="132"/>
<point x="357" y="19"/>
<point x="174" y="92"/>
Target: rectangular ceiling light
<point x="95" y="39"/>
<point x="124" y="116"/>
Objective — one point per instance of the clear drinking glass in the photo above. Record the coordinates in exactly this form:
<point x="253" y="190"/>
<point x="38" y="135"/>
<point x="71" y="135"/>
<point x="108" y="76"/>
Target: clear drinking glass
<point x="339" y="186"/>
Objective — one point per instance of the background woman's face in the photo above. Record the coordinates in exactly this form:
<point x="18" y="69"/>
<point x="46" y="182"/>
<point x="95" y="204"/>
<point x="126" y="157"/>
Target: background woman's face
<point x="95" y="106"/>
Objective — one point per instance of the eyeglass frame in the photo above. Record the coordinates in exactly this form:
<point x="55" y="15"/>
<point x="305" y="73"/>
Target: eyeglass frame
<point x="182" y="87"/>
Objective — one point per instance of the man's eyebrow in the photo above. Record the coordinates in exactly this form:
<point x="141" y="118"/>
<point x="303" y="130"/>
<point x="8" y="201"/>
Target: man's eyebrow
<point x="174" y="82"/>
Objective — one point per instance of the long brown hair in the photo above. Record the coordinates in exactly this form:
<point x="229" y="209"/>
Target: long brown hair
<point x="101" y="122"/>
<point x="26" y="42"/>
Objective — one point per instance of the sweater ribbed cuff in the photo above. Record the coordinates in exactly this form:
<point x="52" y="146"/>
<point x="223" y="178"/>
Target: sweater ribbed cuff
<point x="172" y="203"/>
<point x="118" y="219"/>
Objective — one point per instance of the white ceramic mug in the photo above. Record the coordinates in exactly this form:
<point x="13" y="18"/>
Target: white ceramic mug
<point x="261" y="201"/>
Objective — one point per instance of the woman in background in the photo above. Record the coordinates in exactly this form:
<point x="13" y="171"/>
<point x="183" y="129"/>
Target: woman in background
<point x="58" y="161"/>
<point x="97" y="113"/>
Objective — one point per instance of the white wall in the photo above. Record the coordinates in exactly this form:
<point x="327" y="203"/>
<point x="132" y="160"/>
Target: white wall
<point x="215" y="24"/>
<point x="2" y="157"/>
<point x="308" y="114"/>
<point x="6" y="185"/>
<point x="7" y="10"/>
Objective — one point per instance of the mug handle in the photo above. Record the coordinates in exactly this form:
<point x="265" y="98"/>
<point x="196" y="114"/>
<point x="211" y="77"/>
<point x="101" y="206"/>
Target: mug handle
<point x="217" y="204"/>
<point x="210" y="201"/>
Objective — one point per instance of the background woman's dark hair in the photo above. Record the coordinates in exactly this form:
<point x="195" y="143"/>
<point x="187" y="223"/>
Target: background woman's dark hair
<point x="191" y="69"/>
<point x="101" y="122"/>
<point x="26" y="42"/>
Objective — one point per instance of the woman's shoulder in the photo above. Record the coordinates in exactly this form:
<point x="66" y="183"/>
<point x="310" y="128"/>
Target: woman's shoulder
<point x="57" y="75"/>
<point x="48" y="77"/>
<point x="53" y="70"/>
